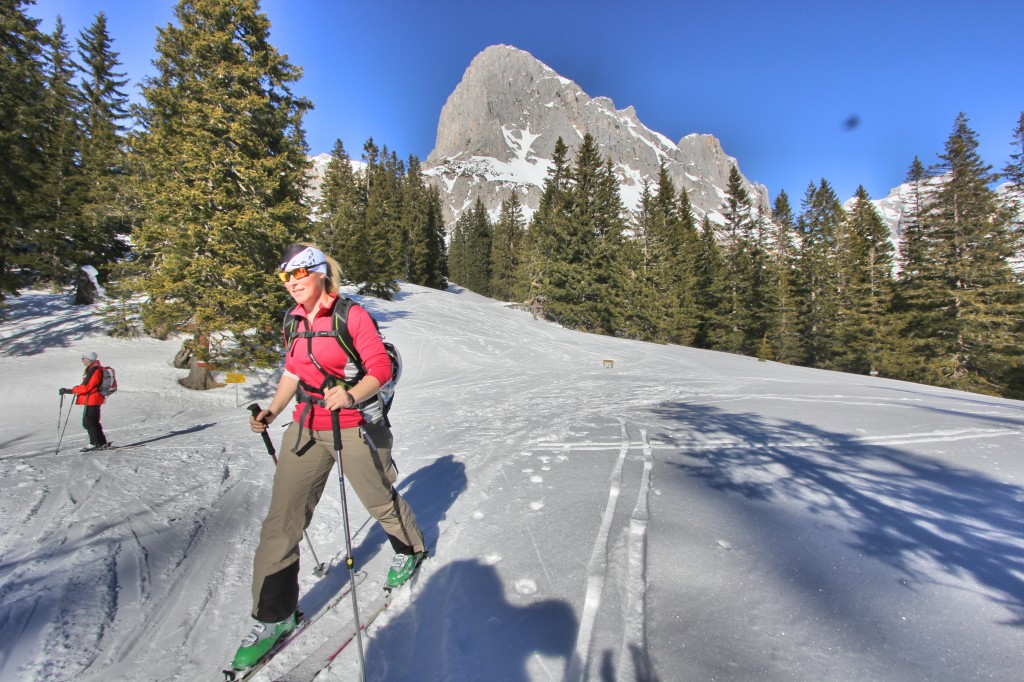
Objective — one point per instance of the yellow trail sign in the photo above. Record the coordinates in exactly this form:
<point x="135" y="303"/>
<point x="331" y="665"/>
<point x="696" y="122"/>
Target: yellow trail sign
<point x="234" y="378"/>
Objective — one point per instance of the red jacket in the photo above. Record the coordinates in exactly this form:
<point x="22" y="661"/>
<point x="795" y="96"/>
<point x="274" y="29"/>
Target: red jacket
<point x="88" y="392"/>
<point x="332" y="358"/>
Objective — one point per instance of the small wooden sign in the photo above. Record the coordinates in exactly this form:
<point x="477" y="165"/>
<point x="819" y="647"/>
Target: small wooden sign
<point x="234" y="378"/>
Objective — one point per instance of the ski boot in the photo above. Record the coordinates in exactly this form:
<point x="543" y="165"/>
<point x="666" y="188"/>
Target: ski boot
<point x="402" y="568"/>
<point x="260" y="640"/>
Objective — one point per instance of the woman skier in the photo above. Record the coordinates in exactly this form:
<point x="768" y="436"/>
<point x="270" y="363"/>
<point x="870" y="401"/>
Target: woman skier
<point x="322" y="377"/>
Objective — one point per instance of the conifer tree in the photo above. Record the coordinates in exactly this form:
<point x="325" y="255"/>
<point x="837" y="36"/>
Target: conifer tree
<point x="413" y="214"/>
<point x="55" y="226"/>
<point x="569" y="285"/>
<point x="478" y="246"/>
<point x="913" y="218"/>
<point x="687" y="247"/>
<point x="585" y="281"/>
<point x="428" y="258"/>
<point x="921" y="292"/>
<point x="1013" y="173"/>
<point x="741" y="261"/>
<point x="977" y="345"/>
<point x="712" y="293"/>
<point x="508" y="234"/>
<point x="340" y="211"/>
<point x="106" y="210"/>
<point x="820" y="222"/>
<point x="545" y="231"/>
<point x="377" y="268"/>
<point x="639" y="311"/>
<point x="673" y="250"/>
<point x="645" y="301"/>
<point x="457" y="249"/>
<point x="21" y="114"/>
<point x="866" y="259"/>
<point x="608" y="272"/>
<point x="784" y="336"/>
<point x="222" y="158"/>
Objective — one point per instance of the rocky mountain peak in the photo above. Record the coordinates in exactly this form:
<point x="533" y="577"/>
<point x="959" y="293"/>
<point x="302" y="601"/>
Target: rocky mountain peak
<point x="498" y="129"/>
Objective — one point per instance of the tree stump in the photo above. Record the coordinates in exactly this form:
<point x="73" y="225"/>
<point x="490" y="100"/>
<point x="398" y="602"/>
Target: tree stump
<point x="85" y="289"/>
<point x="200" y="377"/>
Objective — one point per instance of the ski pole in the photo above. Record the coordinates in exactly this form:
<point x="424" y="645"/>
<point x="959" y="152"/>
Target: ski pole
<point x="336" y="428"/>
<point x="321" y="569"/>
<point x="60" y="436"/>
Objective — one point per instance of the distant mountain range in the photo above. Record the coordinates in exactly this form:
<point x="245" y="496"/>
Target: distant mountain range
<point x="497" y="133"/>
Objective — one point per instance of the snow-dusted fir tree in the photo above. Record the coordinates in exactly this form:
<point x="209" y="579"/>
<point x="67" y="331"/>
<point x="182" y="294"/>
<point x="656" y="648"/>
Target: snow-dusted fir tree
<point x="222" y="166"/>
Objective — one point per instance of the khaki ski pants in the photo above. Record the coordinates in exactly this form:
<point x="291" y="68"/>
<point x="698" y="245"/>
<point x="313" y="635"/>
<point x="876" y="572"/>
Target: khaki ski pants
<point x="298" y="484"/>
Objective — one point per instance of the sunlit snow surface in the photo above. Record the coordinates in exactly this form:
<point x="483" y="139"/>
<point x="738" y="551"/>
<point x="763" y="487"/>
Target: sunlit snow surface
<point x="681" y="515"/>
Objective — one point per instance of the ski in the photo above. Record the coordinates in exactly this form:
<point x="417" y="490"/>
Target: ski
<point x="232" y="675"/>
<point x="318" y="660"/>
<point x="109" y="448"/>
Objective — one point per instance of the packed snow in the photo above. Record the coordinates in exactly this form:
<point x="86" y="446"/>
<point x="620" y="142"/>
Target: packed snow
<point x="597" y="508"/>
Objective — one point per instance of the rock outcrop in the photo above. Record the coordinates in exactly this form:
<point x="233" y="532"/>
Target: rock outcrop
<point x="498" y="129"/>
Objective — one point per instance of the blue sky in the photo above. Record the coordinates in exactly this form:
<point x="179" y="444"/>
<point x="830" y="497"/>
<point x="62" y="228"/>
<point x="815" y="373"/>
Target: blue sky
<point x="775" y="82"/>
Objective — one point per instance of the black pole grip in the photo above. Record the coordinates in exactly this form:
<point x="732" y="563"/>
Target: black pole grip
<point x="336" y="428"/>
<point x="256" y="409"/>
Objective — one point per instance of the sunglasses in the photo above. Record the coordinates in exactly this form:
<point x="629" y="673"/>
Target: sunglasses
<point x="297" y="273"/>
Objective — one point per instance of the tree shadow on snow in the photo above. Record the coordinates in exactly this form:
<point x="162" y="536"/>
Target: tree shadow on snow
<point x="55" y="327"/>
<point x="460" y="621"/>
<point x="643" y="669"/>
<point x="901" y="508"/>
<point x="382" y="316"/>
<point x="430" y="491"/>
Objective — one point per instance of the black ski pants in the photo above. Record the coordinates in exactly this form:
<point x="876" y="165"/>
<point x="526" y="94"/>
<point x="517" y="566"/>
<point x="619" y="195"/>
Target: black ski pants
<point x="91" y="422"/>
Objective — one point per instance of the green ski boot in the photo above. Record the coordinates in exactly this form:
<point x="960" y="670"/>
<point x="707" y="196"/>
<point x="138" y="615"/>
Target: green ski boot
<point x="403" y="566"/>
<point x="260" y="640"/>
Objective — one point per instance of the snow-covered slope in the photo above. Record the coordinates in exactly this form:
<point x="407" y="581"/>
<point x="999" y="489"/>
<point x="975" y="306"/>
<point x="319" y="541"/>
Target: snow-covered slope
<point x="680" y="515"/>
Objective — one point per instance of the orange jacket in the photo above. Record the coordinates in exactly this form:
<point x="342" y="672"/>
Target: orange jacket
<point x="88" y="392"/>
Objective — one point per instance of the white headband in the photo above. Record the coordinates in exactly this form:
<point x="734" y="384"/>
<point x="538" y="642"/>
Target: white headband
<point x="310" y="258"/>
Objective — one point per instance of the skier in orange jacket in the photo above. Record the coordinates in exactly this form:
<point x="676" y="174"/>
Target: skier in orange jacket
<point x="88" y="394"/>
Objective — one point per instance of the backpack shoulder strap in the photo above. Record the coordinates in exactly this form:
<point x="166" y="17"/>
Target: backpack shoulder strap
<point x="340" y="315"/>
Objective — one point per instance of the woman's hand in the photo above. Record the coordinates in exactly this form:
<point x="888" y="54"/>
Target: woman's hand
<point x="260" y="422"/>
<point x="337" y="398"/>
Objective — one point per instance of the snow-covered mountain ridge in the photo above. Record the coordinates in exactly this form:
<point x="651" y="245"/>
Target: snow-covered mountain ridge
<point x="894" y="206"/>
